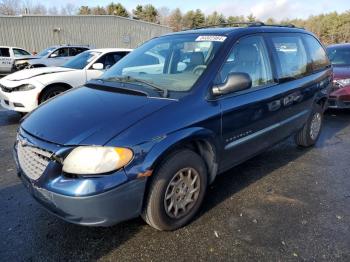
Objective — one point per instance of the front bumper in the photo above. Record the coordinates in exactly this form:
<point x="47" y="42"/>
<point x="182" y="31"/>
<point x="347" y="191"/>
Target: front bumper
<point x="339" y="98"/>
<point x="20" y="101"/>
<point x="94" y="201"/>
<point x="119" y="204"/>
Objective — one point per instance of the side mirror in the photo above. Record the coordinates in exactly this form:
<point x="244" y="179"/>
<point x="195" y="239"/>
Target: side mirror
<point x="97" y="66"/>
<point x="234" y="82"/>
<point x="53" y="55"/>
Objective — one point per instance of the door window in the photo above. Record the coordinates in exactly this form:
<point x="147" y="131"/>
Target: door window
<point x="249" y="55"/>
<point x="20" y="52"/>
<point x="108" y="60"/>
<point x="61" y="52"/>
<point x="4" y="52"/>
<point x="292" y="58"/>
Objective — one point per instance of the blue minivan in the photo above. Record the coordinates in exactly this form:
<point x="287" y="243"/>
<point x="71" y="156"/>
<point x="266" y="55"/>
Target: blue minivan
<point x="154" y="131"/>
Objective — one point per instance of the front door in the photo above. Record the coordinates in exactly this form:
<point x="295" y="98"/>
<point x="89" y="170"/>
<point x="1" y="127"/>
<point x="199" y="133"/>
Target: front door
<point x="252" y="119"/>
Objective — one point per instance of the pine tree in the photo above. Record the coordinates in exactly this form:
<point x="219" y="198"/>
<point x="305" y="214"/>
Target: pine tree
<point x="199" y="18"/>
<point x="84" y="10"/>
<point x="117" y="9"/>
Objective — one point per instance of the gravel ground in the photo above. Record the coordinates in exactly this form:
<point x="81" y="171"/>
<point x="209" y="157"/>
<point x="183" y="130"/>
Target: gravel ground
<point x="287" y="204"/>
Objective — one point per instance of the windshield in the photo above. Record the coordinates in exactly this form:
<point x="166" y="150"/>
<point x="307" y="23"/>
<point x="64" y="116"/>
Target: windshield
<point x="81" y="60"/>
<point x="170" y="63"/>
<point x="46" y="51"/>
<point x="339" y="56"/>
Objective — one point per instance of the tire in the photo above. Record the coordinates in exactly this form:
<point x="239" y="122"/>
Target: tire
<point x="311" y="131"/>
<point x="36" y="66"/>
<point x="167" y="180"/>
<point x="51" y="92"/>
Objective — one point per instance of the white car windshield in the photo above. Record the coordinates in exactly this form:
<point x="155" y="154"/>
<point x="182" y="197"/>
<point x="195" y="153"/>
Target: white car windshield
<point x="82" y="60"/>
<point x="171" y="63"/>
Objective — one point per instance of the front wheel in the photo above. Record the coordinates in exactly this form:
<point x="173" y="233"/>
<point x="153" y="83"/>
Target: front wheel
<point x="176" y="191"/>
<point x="311" y="131"/>
<point x="51" y="92"/>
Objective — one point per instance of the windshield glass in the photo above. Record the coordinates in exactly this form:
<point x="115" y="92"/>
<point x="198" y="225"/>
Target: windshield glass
<point x="46" y="51"/>
<point x="339" y="56"/>
<point x="81" y="60"/>
<point x="170" y="63"/>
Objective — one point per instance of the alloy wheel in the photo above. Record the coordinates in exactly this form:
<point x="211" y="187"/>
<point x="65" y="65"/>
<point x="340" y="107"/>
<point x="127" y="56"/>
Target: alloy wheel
<point x="182" y="193"/>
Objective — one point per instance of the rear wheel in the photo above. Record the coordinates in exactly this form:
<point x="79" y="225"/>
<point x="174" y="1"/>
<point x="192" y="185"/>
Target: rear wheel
<point x="51" y="92"/>
<point x="176" y="191"/>
<point x="311" y="131"/>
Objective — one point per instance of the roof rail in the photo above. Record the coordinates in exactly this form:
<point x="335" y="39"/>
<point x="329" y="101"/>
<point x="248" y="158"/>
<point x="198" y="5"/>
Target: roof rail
<point x="249" y="24"/>
<point x="282" y="25"/>
<point x="231" y="24"/>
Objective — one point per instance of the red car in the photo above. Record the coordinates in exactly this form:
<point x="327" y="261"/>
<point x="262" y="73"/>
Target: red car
<point x="339" y="55"/>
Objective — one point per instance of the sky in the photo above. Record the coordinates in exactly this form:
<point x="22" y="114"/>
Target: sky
<point x="262" y="9"/>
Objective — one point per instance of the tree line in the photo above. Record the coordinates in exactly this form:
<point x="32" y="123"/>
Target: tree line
<point x="330" y="28"/>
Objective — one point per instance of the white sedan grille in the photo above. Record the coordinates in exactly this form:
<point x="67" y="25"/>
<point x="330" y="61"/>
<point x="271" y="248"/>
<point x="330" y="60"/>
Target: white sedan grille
<point x="32" y="160"/>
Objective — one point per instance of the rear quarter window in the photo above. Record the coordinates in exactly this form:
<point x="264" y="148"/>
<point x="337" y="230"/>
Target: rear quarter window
<point x="5" y="52"/>
<point x="73" y="51"/>
<point x="317" y="53"/>
<point x="291" y="55"/>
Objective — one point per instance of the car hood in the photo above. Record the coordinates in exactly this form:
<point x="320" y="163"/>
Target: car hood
<point x="89" y="116"/>
<point x="341" y="72"/>
<point x="29" y="73"/>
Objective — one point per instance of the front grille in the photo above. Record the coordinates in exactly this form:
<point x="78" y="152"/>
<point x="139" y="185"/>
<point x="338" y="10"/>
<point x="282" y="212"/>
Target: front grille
<point x="32" y="160"/>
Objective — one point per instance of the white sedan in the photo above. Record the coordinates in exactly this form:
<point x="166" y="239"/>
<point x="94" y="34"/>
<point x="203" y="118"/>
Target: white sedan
<point x="24" y="90"/>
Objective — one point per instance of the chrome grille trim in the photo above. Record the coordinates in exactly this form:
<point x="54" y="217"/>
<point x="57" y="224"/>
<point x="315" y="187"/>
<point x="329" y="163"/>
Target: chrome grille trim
<point x="32" y="160"/>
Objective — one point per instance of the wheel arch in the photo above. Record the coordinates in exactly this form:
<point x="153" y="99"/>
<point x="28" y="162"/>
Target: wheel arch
<point x="37" y="65"/>
<point x="322" y="102"/>
<point x="201" y="141"/>
<point x="67" y="86"/>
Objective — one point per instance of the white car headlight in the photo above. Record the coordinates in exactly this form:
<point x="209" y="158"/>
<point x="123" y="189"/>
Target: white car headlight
<point x="87" y="160"/>
<point x="24" y="87"/>
<point x="343" y="82"/>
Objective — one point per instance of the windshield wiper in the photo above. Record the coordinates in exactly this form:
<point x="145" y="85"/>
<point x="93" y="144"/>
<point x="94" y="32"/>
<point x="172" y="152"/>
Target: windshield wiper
<point x="130" y="79"/>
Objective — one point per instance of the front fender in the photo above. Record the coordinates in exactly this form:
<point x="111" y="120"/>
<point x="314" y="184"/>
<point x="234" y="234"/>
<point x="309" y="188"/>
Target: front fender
<point x="148" y="153"/>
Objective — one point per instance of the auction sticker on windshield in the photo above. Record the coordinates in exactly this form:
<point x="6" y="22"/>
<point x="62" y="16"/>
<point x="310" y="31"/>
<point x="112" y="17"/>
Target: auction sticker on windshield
<point x="212" y="38"/>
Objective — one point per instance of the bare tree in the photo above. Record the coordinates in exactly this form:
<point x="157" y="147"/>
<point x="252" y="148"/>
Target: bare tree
<point x="175" y="19"/>
<point x="39" y="9"/>
<point x="163" y="15"/>
<point x="69" y="9"/>
<point x="52" y="10"/>
<point x="9" y="7"/>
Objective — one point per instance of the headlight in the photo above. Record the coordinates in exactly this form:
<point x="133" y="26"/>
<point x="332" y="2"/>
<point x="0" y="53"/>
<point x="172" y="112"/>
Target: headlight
<point x="25" y="87"/>
<point x="96" y="159"/>
<point x="342" y="82"/>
